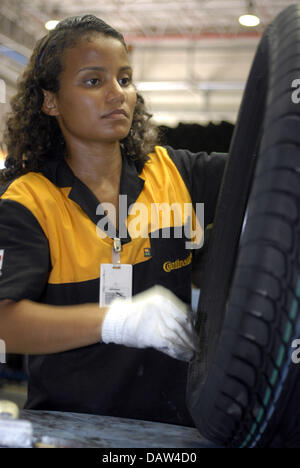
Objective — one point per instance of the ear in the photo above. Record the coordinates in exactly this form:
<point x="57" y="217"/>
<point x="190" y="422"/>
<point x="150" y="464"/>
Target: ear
<point x="49" y="106"/>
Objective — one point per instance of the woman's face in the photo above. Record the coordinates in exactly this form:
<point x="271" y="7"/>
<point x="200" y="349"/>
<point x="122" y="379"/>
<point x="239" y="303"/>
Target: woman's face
<point x="96" y="99"/>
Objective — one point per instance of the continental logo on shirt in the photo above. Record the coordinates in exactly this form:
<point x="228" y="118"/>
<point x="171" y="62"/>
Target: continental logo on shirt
<point x="169" y="266"/>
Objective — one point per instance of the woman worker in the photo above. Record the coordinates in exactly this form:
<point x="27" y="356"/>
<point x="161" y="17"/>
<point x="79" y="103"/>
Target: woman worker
<point x="79" y="139"/>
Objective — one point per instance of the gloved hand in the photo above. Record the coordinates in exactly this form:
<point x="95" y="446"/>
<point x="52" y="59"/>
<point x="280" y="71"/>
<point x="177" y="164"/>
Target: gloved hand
<point x="155" y="318"/>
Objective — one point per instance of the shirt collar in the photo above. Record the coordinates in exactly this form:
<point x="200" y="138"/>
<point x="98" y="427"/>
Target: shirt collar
<point x="60" y="173"/>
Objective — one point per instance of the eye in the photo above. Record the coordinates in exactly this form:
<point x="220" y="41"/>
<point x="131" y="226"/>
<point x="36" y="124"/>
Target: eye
<point x="92" y="82"/>
<point x="125" y="81"/>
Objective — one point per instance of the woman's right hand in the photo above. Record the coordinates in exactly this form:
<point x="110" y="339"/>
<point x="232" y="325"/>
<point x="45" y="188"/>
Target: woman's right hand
<point x="155" y="318"/>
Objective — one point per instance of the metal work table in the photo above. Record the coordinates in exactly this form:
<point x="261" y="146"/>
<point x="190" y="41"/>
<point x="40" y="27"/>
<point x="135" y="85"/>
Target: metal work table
<point x="85" y="430"/>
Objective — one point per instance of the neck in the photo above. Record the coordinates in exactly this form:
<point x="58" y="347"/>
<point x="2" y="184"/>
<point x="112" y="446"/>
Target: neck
<point x="95" y="164"/>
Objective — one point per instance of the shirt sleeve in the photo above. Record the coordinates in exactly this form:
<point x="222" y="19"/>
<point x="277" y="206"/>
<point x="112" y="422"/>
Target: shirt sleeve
<point x="202" y="174"/>
<point x="24" y="253"/>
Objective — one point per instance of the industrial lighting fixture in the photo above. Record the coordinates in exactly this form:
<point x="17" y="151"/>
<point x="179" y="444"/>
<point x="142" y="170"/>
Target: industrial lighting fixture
<point x="250" y="19"/>
<point x="186" y="86"/>
<point x="51" y="24"/>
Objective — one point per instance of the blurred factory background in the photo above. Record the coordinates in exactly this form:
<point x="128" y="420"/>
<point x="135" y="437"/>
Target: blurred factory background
<point x="191" y="59"/>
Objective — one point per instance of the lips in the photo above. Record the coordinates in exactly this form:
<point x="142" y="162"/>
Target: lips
<point x="117" y="113"/>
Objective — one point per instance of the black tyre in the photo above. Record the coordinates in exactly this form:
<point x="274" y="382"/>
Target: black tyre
<point x="243" y="387"/>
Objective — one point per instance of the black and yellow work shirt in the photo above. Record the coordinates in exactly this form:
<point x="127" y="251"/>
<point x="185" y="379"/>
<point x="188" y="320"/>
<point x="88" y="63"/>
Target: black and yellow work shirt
<point x="51" y="253"/>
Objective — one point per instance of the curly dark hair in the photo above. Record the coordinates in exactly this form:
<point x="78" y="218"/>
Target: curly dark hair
<point x="31" y="137"/>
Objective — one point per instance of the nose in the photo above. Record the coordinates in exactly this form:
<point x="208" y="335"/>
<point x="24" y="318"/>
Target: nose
<point x="115" y="92"/>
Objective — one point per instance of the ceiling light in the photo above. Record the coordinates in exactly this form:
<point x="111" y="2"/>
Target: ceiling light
<point x="249" y="19"/>
<point x="51" y="24"/>
<point x="165" y="86"/>
<point x="161" y="86"/>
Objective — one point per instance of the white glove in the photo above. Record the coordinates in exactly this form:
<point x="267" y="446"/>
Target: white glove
<point x="155" y="318"/>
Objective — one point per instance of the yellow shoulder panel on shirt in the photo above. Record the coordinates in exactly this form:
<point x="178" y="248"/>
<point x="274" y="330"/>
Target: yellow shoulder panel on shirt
<point x="75" y="249"/>
<point x="166" y="196"/>
<point x="164" y="176"/>
<point x="164" y="193"/>
<point x="35" y="192"/>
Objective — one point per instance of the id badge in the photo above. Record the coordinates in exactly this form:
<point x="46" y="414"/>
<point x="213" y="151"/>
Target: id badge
<point x="115" y="282"/>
